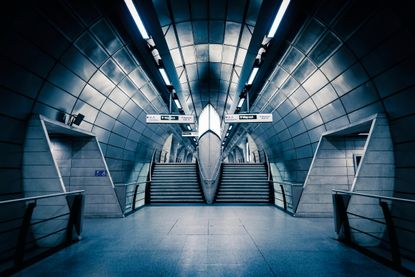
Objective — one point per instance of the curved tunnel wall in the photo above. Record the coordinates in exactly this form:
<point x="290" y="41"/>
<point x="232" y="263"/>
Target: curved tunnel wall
<point x="66" y="57"/>
<point x="350" y="59"/>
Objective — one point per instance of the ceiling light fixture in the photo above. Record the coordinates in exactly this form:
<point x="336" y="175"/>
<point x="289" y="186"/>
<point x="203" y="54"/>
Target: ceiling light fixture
<point x="137" y="19"/>
<point x="230" y="127"/>
<point x="177" y="102"/>
<point x="164" y="75"/>
<point x="241" y="102"/>
<point x="189" y="128"/>
<point x="253" y="75"/>
<point x="278" y="18"/>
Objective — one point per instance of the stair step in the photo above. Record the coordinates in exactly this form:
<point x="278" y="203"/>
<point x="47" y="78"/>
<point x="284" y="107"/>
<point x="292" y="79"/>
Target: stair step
<point x="244" y="183"/>
<point x="175" y="183"/>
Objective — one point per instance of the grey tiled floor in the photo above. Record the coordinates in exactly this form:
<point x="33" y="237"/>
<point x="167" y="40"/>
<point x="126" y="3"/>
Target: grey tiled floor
<point x="208" y="241"/>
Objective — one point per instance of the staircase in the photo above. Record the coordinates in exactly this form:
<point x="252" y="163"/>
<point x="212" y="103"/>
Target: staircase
<point x="175" y="183"/>
<point x="243" y="183"/>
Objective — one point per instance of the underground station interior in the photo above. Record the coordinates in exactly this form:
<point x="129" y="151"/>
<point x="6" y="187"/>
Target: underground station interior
<point x="207" y="138"/>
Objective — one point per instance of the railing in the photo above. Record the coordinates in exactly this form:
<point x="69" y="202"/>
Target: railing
<point x="131" y="195"/>
<point x="287" y="195"/>
<point x="200" y="179"/>
<point x="162" y="157"/>
<point x="149" y="177"/>
<point x="34" y="227"/>
<point x="269" y="177"/>
<point x="259" y="156"/>
<point x="380" y="226"/>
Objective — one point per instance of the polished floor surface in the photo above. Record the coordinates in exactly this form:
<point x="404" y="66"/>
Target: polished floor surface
<point x="208" y="241"/>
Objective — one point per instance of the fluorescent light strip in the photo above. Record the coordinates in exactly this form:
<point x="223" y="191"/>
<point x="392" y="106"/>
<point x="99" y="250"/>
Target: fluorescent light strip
<point x="241" y="102"/>
<point x="137" y="19"/>
<point x="165" y="77"/>
<point x="278" y="18"/>
<point x="253" y="75"/>
<point x="178" y="104"/>
<point x="189" y="128"/>
<point x="230" y="127"/>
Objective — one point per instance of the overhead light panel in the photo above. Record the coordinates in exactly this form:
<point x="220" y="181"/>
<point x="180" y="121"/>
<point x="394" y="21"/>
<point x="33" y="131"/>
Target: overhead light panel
<point x="227" y="134"/>
<point x="137" y="19"/>
<point x="253" y="75"/>
<point x="241" y="102"/>
<point x="164" y="75"/>
<point x="230" y="127"/>
<point x="278" y="18"/>
<point x="189" y="128"/>
<point x="177" y="102"/>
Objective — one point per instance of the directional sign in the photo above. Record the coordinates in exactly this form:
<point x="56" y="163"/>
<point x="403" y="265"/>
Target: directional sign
<point x="168" y="118"/>
<point x="190" y="134"/>
<point x="248" y="118"/>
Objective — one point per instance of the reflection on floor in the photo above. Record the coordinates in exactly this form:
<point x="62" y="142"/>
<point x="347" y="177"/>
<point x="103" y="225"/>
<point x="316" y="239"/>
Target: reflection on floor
<point x="208" y="241"/>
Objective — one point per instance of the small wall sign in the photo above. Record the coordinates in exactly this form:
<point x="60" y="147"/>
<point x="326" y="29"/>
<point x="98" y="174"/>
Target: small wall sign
<point x="100" y="173"/>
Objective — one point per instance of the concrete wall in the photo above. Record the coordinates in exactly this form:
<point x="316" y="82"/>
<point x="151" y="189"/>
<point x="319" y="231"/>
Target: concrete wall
<point x="78" y="158"/>
<point x="376" y="175"/>
<point x="68" y="57"/>
<point x="41" y="176"/>
<point x="332" y="168"/>
<point x="314" y="88"/>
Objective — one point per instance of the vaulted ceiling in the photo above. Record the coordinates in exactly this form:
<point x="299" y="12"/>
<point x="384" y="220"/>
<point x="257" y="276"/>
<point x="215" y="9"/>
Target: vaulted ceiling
<point x="208" y="42"/>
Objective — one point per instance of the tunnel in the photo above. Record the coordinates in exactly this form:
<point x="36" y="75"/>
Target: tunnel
<point x="207" y="137"/>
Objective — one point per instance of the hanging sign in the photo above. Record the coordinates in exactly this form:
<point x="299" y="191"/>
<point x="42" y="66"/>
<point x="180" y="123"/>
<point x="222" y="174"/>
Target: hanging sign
<point x="169" y="118"/>
<point x="248" y="118"/>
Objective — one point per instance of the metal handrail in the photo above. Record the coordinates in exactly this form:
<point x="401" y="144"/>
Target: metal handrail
<point x="374" y="196"/>
<point x="150" y="169"/>
<point x="268" y="167"/>
<point x="15" y="255"/>
<point x="34" y="198"/>
<point x="131" y="184"/>
<point x="344" y="228"/>
<point x="286" y="183"/>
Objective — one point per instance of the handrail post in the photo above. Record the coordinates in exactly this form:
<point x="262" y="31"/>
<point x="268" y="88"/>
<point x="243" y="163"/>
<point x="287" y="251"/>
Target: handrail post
<point x="24" y="229"/>
<point x="341" y="219"/>
<point x="393" y="240"/>
<point x="149" y="177"/>
<point x="269" y="178"/>
<point x="283" y="197"/>
<point x="134" y="198"/>
<point x="75" y="218"/>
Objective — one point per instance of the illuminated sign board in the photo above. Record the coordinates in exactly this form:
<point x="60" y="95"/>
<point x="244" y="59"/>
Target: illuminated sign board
<point x="168" y="118"/>
<point x="248" y="118"/>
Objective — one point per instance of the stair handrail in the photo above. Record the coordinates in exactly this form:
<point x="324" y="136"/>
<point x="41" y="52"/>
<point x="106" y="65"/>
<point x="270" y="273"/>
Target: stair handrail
<point x="269" y="175"/>
<point x="149" y="177"/>
<point x="35" y="198"/>
<point x="269" y="178"/>
<point x="199" y="179"/>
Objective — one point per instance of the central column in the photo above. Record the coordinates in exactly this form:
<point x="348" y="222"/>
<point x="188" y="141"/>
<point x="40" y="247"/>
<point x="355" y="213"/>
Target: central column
<point x="209" y="161"/>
